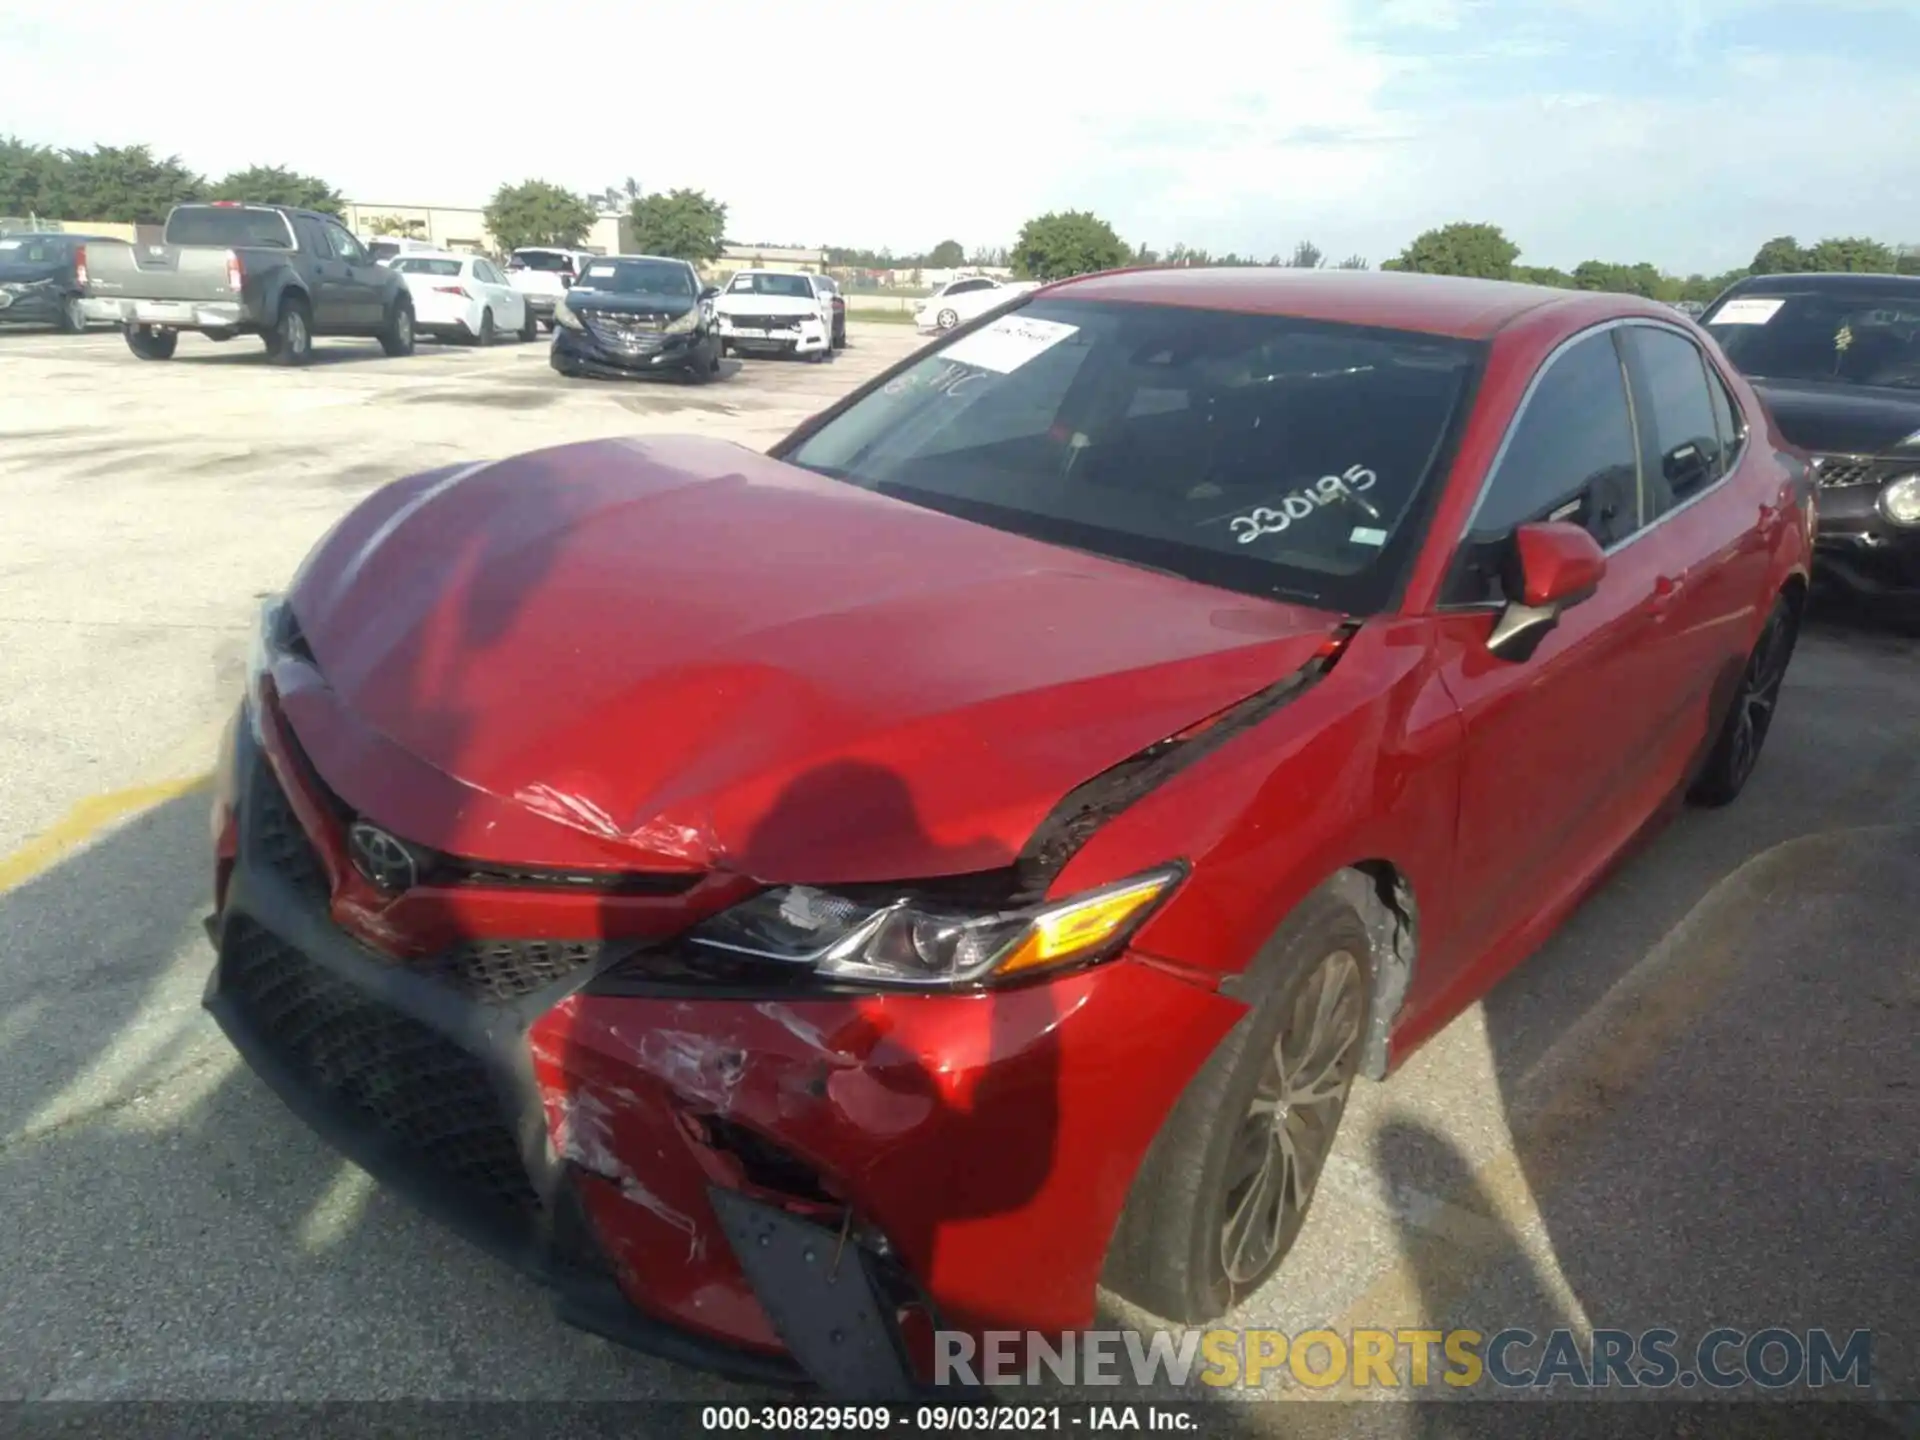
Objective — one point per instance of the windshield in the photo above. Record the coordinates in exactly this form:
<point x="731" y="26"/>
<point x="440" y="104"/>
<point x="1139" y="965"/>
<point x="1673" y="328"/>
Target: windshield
<point x="639" y="277"/>
<point x="554" y="261"/>
<point x="793" y="286"/>
<point x="1846" y="338"/>
<point x="415" y="265"/>
<point x="1264" y="454"/>
<point x="229" y="225"/>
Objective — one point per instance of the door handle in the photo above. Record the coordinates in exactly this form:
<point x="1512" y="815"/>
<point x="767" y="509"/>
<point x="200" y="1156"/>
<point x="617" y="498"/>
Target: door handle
<point x="1666" y="589"/>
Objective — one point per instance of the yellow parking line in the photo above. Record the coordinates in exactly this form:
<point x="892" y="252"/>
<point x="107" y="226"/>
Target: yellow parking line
<point x="84" y="821"/>
<point x="1563" y="1102"/>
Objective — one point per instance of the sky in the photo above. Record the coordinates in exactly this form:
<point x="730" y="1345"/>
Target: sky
<point x="1684" y="132"/>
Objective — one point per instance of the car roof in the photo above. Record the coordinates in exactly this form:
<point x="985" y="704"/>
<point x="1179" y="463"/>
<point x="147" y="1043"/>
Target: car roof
<point x="436" y="255"/>
<point x="662" y="259"/>
<point x="1388" y="299"/>
<point x="1839" y="282"/>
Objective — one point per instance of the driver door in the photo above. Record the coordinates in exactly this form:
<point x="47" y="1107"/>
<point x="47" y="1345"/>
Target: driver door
<point x="1558" y="747"/>
<point x="362" y="290"/>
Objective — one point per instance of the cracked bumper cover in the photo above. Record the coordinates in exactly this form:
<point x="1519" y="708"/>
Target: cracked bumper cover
<point x="963" y="1159"/>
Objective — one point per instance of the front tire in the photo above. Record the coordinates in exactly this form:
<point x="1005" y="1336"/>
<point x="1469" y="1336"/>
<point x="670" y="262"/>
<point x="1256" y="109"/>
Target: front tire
<point x="1736" y="750"/>
<point x="152" y="344"/>
<point x="1226" y="1185"/>
<point x="290" y="342"/>
<point x="484" y="335"/>
<point x="947" y="319"/>
<point x="529" y="327"/>
<point x="73" y="316"/>
<point x="396" y="336"/>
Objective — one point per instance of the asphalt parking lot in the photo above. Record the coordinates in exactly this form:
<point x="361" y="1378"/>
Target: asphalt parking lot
<point x="1699" y="1105"/>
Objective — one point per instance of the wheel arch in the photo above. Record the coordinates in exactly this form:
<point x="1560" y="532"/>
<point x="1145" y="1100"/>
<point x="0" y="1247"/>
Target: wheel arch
<point x="1382" y="894"/>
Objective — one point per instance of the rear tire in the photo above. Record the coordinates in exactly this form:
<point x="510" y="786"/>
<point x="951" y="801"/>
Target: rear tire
<point x="396" y="336"/>
<point x="484" y="335"/>
<point x="1227" y="1184"/>
<point x="947" y="319"/>
<point x="290" y="341"/>
<point x="529" y="327"/>
<point x="152" y="344"/>
<point x="1736" y="750"/>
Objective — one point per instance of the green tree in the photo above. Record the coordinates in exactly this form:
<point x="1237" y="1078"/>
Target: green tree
<point x="946" y="255"/>
<point x="1642" y="279"/>
<point x="686" y="224"/>
<point x="1353" y="262"/>
<point x="1306" y="256"/>
<point x="1067" y="242"/>
<point x="1852" y="253"/>
<point x="1480" y="251"/>
<point x="124" y="183"/>
<point x="1144" y="255"/>
<point x="537" y="212"/>
<point x="1906" y="260"/>
<point x="30" y="179"/>
<point x="1543" y="275"/>
<point x="1781" y="255"/>
<point x="394" y="225"/>
<point x="271" y="185"/>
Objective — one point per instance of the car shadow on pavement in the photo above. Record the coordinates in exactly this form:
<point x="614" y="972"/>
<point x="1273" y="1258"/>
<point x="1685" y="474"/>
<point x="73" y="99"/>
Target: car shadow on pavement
<point x="1709" y="1073"/>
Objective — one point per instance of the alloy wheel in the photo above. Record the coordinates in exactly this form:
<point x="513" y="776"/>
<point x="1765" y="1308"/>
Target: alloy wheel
<point x="1760" y="694"/>
<point x="1283" y="1142"/>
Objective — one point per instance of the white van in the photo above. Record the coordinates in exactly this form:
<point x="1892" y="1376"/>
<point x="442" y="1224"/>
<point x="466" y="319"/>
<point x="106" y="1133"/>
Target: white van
<point x="384" y="247"/>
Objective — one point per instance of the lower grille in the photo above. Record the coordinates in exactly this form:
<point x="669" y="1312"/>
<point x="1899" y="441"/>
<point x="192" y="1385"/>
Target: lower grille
<point x="1839" y="472"/>
<point x="405" y="1079"/>
<point x="625" y="331"/>
<point x="498" y="971"/>
<point x="281" y="839"/>
<point x="764" y="322"/>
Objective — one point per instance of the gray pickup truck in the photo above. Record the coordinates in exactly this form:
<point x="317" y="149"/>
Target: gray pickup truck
<point x="227" y="269"/>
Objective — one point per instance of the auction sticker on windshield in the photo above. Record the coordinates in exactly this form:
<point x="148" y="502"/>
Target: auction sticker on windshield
<point x="599" y="272"/>
<point x="1747" y="312"/>
<point x="1008" y="343"/>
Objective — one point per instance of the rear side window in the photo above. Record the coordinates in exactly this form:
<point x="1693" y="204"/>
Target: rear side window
<point x="236" y="225"/>
<point x="1728" y="420"/>
<point x="1683" y="454"/>
<point x="1571" y="455"/>
<point x="416" y="265"/>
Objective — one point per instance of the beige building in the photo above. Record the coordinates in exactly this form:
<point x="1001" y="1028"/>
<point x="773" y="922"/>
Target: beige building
<point x="767" y="257"/>
<point x="464" y="229"/>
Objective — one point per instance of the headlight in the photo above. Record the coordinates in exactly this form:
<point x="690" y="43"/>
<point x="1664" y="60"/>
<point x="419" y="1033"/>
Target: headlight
<point x="270" y="635"/>
<point x="563" y="315"/>
<point x="907" y="943"/>
<point x="685" y="325"/>
<point x="1900" y="501"/>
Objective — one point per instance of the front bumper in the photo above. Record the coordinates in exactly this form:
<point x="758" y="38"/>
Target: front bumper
<point x="1860" y="550"/>
<point x="781" y="1189"/>
<point x="170" y="314"/>
<point x="802" y="340"/>
<point x="577" y="351"/>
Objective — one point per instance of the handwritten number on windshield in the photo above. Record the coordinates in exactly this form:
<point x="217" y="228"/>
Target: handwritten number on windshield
<point x="1309" y="500"/>
<point x="952" y="380"/>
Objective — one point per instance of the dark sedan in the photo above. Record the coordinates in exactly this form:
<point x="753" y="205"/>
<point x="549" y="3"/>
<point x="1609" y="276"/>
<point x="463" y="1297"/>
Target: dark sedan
<point x="38" y="283"/>
<point x="630" y="315"/>
<point x="1837" y="360"/>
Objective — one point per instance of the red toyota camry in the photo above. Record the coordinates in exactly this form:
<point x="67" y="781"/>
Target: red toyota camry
<point x="793" y="903"/>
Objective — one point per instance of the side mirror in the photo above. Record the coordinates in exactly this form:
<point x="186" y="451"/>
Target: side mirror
<point x="711" y="292"/>
<point x="566" y="280"/>
<point x="1552" y="567"/>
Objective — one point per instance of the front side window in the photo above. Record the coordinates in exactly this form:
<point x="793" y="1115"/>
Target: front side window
<point x="1823" y="335"/>
<point x="1685" y="455"/>
<point x="1571" y="455"/>
<point x="345" y="246"/>
<point x="1264" y="454"/>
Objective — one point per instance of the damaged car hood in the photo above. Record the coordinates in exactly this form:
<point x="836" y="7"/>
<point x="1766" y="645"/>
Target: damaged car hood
<point x="694" y="655"/>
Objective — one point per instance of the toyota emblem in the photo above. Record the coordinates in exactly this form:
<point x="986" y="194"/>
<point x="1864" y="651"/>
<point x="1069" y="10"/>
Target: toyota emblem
<point x="386" y="861"/>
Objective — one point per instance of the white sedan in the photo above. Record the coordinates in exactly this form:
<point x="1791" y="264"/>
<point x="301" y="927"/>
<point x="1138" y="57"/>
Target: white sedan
<point x="463" y="297"/>
<point x="962" y="299"/>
